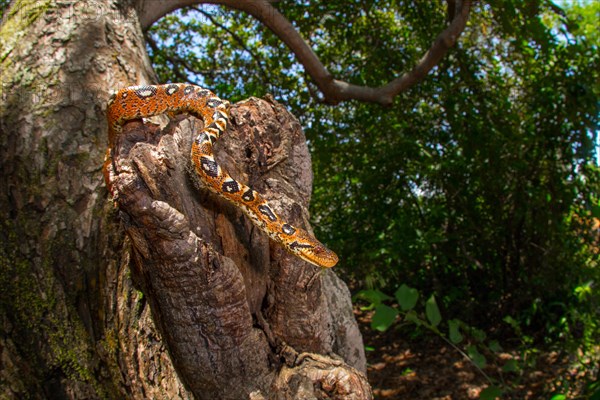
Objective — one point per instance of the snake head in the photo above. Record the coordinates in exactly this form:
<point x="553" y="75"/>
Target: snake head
<point x="311" y="250"/>
<point x="321" y="256"/>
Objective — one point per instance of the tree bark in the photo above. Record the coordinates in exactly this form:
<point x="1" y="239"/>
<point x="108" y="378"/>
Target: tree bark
<point x="192" y="302"/>
<point x="232" y="306"/>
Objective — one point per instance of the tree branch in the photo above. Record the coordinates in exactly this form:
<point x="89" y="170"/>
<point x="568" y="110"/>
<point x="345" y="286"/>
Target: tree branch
<point x="175" y="61"/>
<point x="239" y="41"/>
<point x="334" y="90"/>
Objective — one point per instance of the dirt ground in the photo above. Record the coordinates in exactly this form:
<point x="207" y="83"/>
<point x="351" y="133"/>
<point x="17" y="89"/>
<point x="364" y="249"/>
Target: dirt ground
<point x="429" y="368"/>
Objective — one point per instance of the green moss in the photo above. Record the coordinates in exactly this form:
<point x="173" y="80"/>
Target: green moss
<point x="49" y="332"/>
<point x="16" y="277"/>
<point x="111" y="342"/>
<point x="29" y="10"/>
<point x="21" y="15"/>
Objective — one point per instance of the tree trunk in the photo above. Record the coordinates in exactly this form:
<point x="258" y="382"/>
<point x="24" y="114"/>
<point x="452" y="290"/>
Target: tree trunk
<point x="173" y="293"/>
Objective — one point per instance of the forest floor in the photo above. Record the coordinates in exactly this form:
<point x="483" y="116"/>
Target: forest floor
<point x="429" y="368"/>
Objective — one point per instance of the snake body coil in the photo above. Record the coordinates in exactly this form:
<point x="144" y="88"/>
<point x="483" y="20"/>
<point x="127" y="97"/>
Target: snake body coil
<point x="137" y="102"/>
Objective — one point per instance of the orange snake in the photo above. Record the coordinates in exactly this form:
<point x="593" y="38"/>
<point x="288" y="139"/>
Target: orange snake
<point x="137" y="102"/>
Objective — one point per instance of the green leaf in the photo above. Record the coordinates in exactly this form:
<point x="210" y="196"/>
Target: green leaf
<point x="373" y="296"/>
<point x="478" y="334"/>
<point x="369" y="348"/>
<point x="510" y="366"/>
<point x="384" y="317"/>
<point x="433" y="312"/>
<point x="407" y="297"/>
<point x="454" y="332"/>
<point x="495" y="346"/>
<point x="596" y="211"/>
<point x="511" y="321"/>
<point x="490" y="393"/>
<point x="413" y="317"/>
<point x="558" y="397"/>
<point x="477" y="358"/>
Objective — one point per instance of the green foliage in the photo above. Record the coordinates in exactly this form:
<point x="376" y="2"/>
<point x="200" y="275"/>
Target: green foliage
<point x="454" y="331"/>
<point x="490" y="393"/>
<point x="433" y="312"/>
<point x="431" y="319"/>
<point x="3" y="7"/>
<point x="407" y="297"/>
<point x="475" y="345"/>
<point x="372" y="296"/>
<point x="383" y="318"/>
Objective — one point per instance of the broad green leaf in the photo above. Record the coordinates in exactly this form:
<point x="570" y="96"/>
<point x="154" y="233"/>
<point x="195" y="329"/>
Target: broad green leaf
<point x="478" y="334"/>
<point x="490" y="393"/>
<point x="373" y="296"/>
<point x="510" y="366"/>
<point x="511" y="321"/>
<point x="476" y="356"/>
<point x="495" y="346"/>
<point x="383" y="318"/>
<point x="454" y="332"/>
<point x="413" y="317"/>
<point x="433" y="312"/>
<point x="596" y="211"/>
<point x="558" y="397"/>
<point x="407" y="297"/>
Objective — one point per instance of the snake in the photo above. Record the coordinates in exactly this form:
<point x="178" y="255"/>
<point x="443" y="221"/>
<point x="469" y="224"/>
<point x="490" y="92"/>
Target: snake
<point x="137" y="102"/>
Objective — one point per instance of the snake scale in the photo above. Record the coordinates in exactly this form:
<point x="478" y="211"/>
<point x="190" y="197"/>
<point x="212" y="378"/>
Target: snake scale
<point x="136" y="102"/>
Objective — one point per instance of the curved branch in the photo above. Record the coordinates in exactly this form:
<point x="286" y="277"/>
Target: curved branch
<point x="175" y="61"/>
<point x="239" y="41"/>
<point x="334" y="90"/>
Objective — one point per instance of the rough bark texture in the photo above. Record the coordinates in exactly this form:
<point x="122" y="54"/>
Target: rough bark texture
<point x="88" y="312"/>
<point x="233" y="306"/>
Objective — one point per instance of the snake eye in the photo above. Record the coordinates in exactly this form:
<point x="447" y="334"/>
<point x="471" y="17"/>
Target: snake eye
<point x="288" y="229"/>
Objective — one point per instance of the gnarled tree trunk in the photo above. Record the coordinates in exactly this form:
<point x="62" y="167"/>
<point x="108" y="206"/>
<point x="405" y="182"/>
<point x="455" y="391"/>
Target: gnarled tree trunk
<point x="172" y="294"/>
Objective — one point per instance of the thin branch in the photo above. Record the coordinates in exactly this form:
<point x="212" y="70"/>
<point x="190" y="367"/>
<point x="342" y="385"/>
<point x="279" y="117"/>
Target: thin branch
<point x="175" y="61"/>
<point x="556" y="9"/>
<point x="239" y="41"/>
<point x="334" y="90"/>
